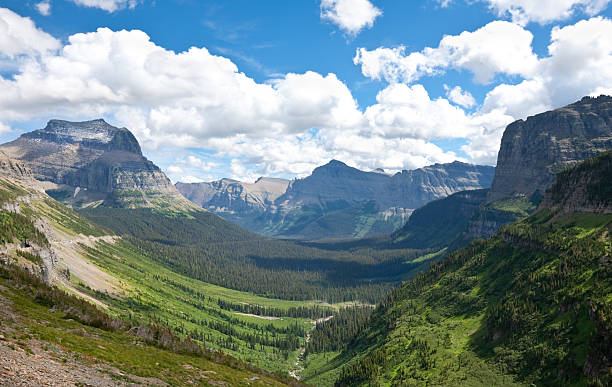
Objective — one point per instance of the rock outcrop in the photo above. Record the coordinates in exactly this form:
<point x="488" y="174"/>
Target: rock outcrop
<point x="10" y="168"/>
<point x="233" y="195"/>
<point x="532" y="151"/>
<point x="93" y="161"/>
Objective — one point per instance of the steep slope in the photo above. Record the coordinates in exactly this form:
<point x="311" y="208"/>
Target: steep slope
<point x="437" y="224"/>
<point x="227" y="195"/>
<point x="529" y="306"/>
<point x="335" y="201"/>
<point x="93" y="162"/>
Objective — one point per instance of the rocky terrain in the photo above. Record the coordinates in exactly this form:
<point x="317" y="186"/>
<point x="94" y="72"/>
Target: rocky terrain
<point x="532" y="151"/>
<point x="336" y="200"/>
<point x="93" y="162"/>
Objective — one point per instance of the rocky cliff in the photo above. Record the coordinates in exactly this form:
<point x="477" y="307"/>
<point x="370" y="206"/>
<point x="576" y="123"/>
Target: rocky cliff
<point x="532" y="151"/>
<point x="232" y="195"/>
<point x="94" y="162"/>
<point x="336" y="200"/>
<point x="11" y="169"/>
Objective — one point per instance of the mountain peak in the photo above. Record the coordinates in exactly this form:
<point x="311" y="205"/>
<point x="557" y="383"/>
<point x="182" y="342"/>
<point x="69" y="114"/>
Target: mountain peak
<point x="94" y="133"/>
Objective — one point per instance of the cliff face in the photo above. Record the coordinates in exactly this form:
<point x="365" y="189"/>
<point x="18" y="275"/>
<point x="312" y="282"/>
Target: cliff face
<point x="532" y="151"/>
<point x="93" y="161"/>
<point x="235" y="196"/>
<point x="11" y="169"/>
<point x="335" y="200"/>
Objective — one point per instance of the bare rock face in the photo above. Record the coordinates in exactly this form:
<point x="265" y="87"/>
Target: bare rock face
<point x="9" y="168"/>
<point x="233" y="195"/>
<point x="93" y="161"/>
<point x="532" y="151"/>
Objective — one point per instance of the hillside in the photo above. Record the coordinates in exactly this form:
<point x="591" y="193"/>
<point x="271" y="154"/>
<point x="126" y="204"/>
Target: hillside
<point x="531" y="305"/>
<point x="336" y="201"/>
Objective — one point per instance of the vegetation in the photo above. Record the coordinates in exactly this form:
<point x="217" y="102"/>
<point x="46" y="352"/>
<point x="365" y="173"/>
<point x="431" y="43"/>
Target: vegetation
<point x="17" y="228"/>
<point x="533" y="303"/>
<point x="205" y="247"/>
<point x="437" y="224"/>
<point x="49" y="315"/>
<point x="335" y="333"/>
<point x="530" y="306"/>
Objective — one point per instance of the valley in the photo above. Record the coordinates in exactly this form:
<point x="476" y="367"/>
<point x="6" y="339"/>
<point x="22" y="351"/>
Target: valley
<point x="140" y="286"/>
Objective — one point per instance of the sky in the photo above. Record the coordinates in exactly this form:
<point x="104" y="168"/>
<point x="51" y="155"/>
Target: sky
<point x="248" y="88"/>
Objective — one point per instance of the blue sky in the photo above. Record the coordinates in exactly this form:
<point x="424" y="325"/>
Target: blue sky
<point x="276" y="87"/>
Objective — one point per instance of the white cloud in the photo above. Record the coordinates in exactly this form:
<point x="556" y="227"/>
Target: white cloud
<point x="350" y="15"/>
<point x="175" y="170"/>
<point x="460" y="97"/>
<point x="4" y="128"/>
<point x="545" y="11"/>
<point x="579" y="64"/>
<point x="107" y="5"/>
<point x="19" y="36"/>
<point x="498" y="47"/>
<point x="296" y="122"/>
<point x="44" y="7"/>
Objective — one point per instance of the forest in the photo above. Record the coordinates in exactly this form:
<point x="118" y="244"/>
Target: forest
<point x="205" y="247"/>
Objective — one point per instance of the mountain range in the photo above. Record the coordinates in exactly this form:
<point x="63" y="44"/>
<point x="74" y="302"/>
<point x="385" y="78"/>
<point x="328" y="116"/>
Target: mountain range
<point x="336" y="200"/>
<point x="133" y="282"/>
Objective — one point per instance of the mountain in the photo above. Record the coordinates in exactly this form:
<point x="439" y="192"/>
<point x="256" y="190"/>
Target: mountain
<point x="533" y="150"/>
<point x="93" y="163"/>
<point x="439" y="223"/>
<point x="232" y="195"/>
<point x="530" y="306"/>
<point x="336" y="200"/>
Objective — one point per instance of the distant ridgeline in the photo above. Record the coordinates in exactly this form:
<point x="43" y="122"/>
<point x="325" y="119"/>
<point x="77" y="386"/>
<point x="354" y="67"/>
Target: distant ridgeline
<point x="529" y="306"/>
<point x="336" y="201"/>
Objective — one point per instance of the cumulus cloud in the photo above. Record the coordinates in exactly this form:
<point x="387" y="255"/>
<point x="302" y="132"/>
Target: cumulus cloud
<point x="350" y="15"/>
<point x="545" y="11"/>
<point x="107" y="5"/>
<point x="460" y="97"/>
<point x="44" y="7"/>
<point x="291" y="124"/>
<point x="19" y="36"/>
<point x="579" y="64"/>
<point x="498" y="47"/>
<point x="4" y="128"/>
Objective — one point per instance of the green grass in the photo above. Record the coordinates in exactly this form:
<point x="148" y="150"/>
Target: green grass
<point x="126" y="352"/>
<point x="520" y="206"/>
<point x="512" y="309"/>
<point x="155" y="291"/>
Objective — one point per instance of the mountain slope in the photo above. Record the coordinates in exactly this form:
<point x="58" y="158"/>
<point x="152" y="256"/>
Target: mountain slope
<point x="94" y="163"/>
<point x="531" y="305"/>
<point x="335" y="201"/>
<point x="437" y="224"/>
